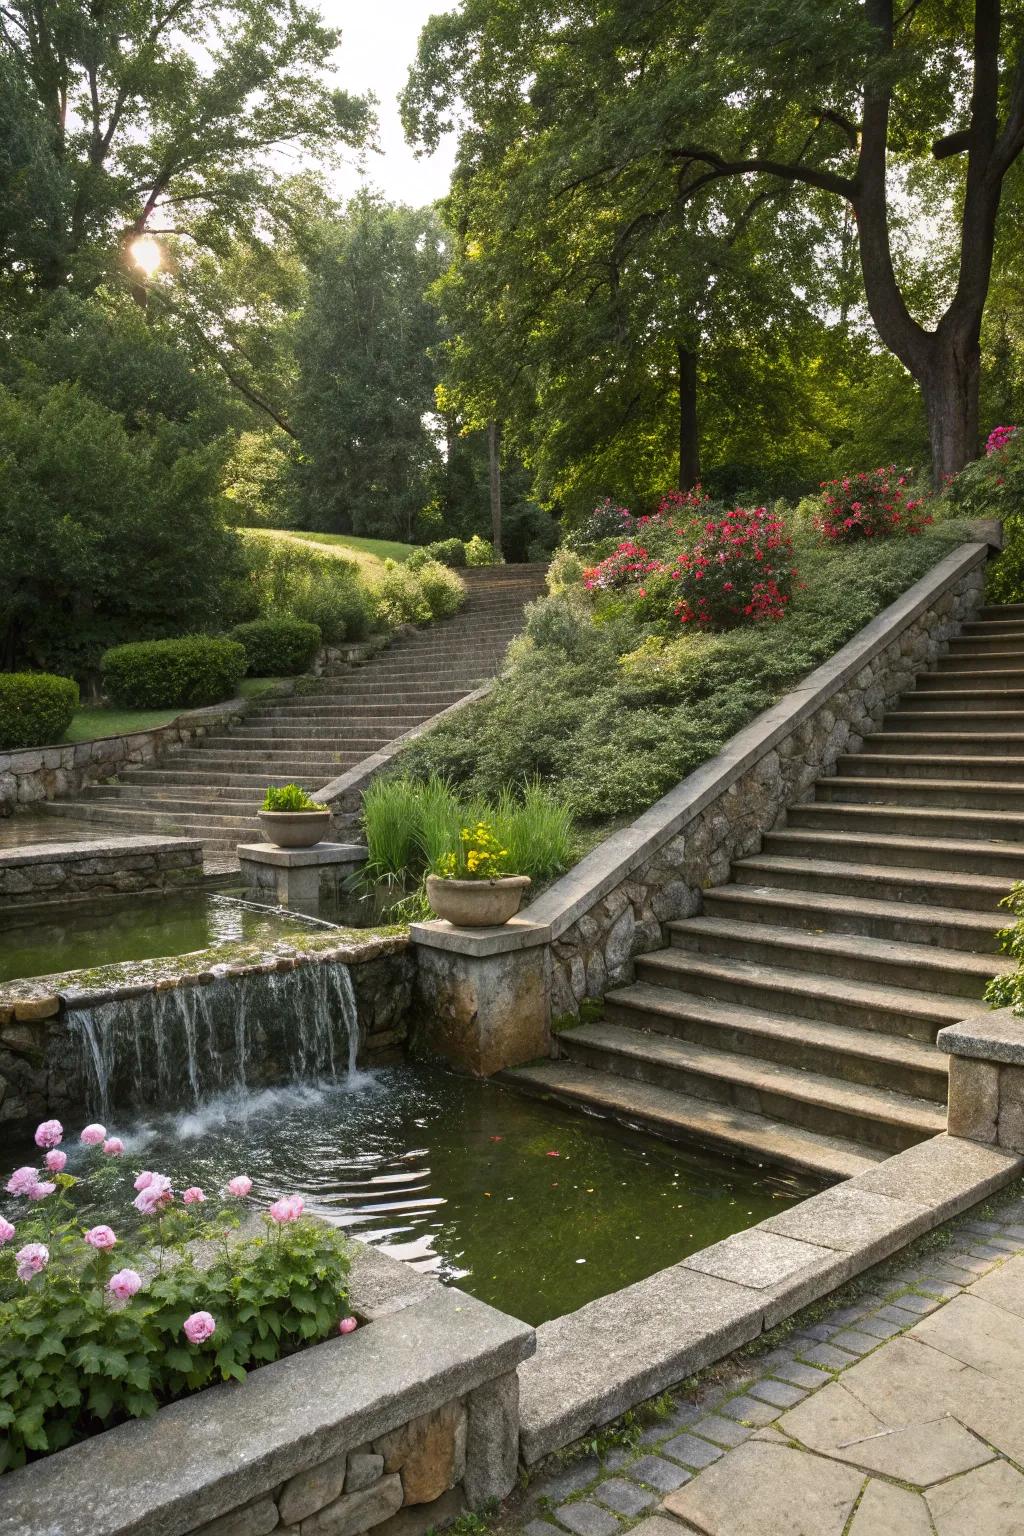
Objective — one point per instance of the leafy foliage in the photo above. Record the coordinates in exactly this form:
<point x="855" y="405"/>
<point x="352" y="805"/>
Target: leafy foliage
<point x="95" y="1330"/>
<point x="35" y="708"/>
<point x="158" y="674"/>
<point x="282" y="580"/>
<point x="404" y="595"/>
<point x="277" y="647"/>
<point x="289" y="797"/>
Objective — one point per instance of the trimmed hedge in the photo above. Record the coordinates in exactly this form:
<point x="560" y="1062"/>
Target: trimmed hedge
<point x="450" y="552"/>
<point x="161" y="674"/>
<point x="278" y="647"/>
<point x="35" y="708"/>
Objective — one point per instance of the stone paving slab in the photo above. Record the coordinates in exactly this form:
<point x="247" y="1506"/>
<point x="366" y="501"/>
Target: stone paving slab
<point x="899" y="1415"/>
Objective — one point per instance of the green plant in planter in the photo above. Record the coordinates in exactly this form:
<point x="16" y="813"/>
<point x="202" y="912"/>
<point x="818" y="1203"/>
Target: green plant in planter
<point x="289" y="797"/>
<point x="479" y="856"/>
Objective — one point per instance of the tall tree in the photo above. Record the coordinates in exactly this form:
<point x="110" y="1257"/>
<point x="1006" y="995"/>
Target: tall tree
<point x="364" y="397"/>
<point x="137" y="114"/>
<point x="869" y="106"/>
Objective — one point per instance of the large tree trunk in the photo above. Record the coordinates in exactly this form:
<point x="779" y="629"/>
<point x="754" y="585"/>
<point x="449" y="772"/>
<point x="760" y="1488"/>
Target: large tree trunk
<point x="689" y="426"/>
<point x="494" y="466"/>
<point x="949" y="384"/>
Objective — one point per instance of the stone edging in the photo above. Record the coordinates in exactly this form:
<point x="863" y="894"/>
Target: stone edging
<point x="423" y="1347"/>
<point x="614" y="860"/>
<point x="40" y="875"/>
<point x="594" y="1364"/>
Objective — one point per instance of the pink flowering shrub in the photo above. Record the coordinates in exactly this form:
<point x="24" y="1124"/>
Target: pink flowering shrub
<point x="998" y="439"/>
<point x="714" y="572"/>
<point x="870" y="505"/>
<point x="102" y="1322"/>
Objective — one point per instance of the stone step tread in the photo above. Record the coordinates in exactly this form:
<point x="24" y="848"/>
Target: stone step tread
<point x="215" y="805"/>
<point x="919" y="759"/>
<point x="856" y="906"/>
<point x="883" y="1104"/>
<point x="956" y="695"/>
<point x="843" y="1039"/>
<point x="709" y="969"/>
<point x="960" y="851"/>
<point x="937" y="814"/>
<point x="952" y="738"/>
<point x="885" y="784"/>
<point x="998" y="716"/>
<point x="853" y="946"/>
<point x="901" y="874"/>
<point x="679" y="1116"/>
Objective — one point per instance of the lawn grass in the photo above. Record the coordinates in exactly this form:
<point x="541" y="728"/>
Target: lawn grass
<point x="91" y="723"/>
<point x="366" y="552"/>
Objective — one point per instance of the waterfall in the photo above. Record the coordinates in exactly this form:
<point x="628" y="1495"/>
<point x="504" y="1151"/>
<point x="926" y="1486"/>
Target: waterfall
<point x="180" y="1046"/>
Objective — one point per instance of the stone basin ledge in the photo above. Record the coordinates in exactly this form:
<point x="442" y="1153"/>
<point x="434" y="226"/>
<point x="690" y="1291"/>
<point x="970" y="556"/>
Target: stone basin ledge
<point x="411" y="1419"/>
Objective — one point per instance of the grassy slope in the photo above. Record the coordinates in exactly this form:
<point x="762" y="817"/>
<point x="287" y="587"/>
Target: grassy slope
<point x="90" y="724"/>
<point x="366" y="552"/>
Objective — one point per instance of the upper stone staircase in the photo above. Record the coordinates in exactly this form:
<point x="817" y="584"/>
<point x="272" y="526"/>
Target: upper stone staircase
<point x="213" y="789"/>
<point x="794" y="1021"/>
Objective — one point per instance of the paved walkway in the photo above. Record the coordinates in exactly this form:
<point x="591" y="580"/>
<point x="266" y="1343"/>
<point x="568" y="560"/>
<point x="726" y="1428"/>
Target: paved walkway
<point x="901" y="1415"/>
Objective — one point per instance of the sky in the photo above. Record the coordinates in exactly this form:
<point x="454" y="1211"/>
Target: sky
<point x="378" y="44"/>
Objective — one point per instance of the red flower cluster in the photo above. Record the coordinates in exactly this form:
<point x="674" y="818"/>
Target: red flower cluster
<point x="629" y="563"/>
<point x="998" y="439"/>
<point x="739" y="570"/>
<point x="869" y="505"/>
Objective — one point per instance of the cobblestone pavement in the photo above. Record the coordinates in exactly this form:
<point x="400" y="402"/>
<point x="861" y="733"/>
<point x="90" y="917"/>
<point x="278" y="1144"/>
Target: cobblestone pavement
<point x="899" y="1415"/>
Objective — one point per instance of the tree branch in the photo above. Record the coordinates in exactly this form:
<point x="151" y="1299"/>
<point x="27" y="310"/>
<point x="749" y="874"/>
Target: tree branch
<point x="809" y="175"/>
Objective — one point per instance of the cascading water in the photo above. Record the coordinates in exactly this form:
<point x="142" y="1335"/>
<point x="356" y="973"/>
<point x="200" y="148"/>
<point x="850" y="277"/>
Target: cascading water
<point x="239" y="1032"/>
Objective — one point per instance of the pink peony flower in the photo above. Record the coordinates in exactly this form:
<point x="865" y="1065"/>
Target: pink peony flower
<point x="240" y="1186"/>
<point x="56" y="1161"/>
<point x="288" y="1208"/>
<point x="100" y="1237"/>
<point x="155" y="1195"/>
<point x="94" y="1135"/>
<point x="49" y="1134"/>
<point x="144" y="1180"/>
<point x="199" y="1327"/>
<point x="124" y="1284"/>
<point x="6" y="1230"/>
<point x="347" y="1325"/>
<point x="113" y="1146"/>
<point x="31" y="1260"/>
<point x="22" y="1180"/>
<point x="40" y="1190"/>
<point x="193" y="1195"/>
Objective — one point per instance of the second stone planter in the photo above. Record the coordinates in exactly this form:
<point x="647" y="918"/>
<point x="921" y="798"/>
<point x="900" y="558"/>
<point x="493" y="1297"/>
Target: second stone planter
<point x="477" y="903"/>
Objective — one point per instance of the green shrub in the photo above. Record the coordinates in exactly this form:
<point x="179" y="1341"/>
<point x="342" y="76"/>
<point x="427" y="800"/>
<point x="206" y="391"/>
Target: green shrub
<point x="289" y="797"/>
<point x="35" y="708"/>
<point x="277" y="647"/>
<point x="450" y="552"/>
<point x="162" y="674"/>
<point x="442" y="590"/>
<point x="480" y="551"/>
<point x="401" y="594"/>
<point x="284" y="580"/>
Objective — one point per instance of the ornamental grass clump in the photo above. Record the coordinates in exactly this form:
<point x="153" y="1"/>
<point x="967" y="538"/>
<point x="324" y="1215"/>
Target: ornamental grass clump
<point x="870" y="505"/>
<point x="107" y="1320"/>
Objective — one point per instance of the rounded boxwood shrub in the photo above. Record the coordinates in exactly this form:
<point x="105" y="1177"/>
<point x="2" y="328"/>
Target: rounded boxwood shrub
<point x="451" y="552"/>
<point x="278" y="647"/>
<point x="35" y="708"/>
<point x="159" y="674"/>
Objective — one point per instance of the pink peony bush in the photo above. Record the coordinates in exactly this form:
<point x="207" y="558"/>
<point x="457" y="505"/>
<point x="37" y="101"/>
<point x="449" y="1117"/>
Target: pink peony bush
<point x="102" y="1322"/>
<point x="869" y="505"/>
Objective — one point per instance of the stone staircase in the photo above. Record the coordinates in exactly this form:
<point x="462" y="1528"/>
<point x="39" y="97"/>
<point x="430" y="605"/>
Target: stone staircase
<point x="213" y="789"/>
<point x="794" y="1021"/>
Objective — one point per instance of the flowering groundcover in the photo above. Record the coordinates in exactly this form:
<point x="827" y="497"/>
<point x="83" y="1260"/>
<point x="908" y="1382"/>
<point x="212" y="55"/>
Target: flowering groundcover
<point x="106" y="1321"/>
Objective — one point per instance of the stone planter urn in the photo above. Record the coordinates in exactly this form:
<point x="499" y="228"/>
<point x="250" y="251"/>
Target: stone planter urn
<point x="477" y="903"/>
<point x="294" y="829"/>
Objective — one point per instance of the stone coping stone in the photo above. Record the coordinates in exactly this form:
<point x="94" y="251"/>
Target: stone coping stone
<point x="210" y="1453"/>
<point x="514" y="935"/>
<point x="994" y="1036"/>
<point x="614" y="860"/>
<point x="302" y="858"/>
<point x="95" y="848"/>
<point x="595" y="1363"/>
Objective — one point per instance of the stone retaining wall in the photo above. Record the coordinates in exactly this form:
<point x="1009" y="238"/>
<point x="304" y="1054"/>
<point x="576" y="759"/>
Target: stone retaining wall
<point x="42" y="1067"/>
<point x="395" y="1429"/>
<point x="64" y="872"/>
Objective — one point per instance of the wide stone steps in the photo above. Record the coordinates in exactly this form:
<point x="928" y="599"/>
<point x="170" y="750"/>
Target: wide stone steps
<point x="214" y="782"/>
<point x="913" y="820"/>
<point x="857" y="1055"/>
<point x="1004" y="859"/>
<point x="849" y="957"/>
<point x="818" y="912"/>
<point x="992" y="664"/>
<point x="976" y="743"/>
<point x="904" y="1011"/>
<point x="965" y="702"/>
<point x="215" y="831"/>
<point x="876" y="765"/>
<point x="975" y="794"/>
<point x="962" y="721"/>
<point x="995" y="643"/>
<point x="700" y="1122"/>
<point x="813" y="1101"/>
<point x="930" y="887"/>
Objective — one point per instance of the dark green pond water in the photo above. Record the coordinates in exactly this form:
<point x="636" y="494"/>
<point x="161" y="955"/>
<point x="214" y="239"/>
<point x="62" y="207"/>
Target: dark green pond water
<point x="141" y="929"/>
<point x="528" y="1206"/>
